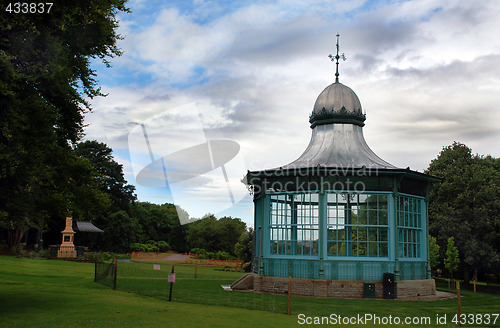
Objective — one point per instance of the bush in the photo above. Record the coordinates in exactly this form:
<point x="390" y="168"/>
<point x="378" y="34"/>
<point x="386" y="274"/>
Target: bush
<point x="19" y="251"/>
<point x="163" y="246"/>
<point x="228" y="268"/>
<point x="197" y="251"/>
<point x="98" y="256"/>
<point x="223" y="256"/>
<point x="135" y="247"/>
<point x="39" y="255"/>
<point x="247" y="266"/>
<point x="147" y="248"/>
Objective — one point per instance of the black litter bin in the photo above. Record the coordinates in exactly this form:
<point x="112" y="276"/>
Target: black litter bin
<point x="369" y="290"/>
<point x="389" y="285"/>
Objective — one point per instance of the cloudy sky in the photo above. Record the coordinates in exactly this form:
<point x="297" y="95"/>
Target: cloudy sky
<point x="247" y="73"/>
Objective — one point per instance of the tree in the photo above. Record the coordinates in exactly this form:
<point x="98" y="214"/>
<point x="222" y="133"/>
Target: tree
<point x="215" y="235"/>
<point x="244" y="247"/>
<point x="119" y="232"/>
<point x="433" y="253"/>
<point x="466" y="206"/>
<point x="45" y="78"/>
<point x="109" y="173"/>
<point x="160" y="223"/>
<point x="451" y="260"/>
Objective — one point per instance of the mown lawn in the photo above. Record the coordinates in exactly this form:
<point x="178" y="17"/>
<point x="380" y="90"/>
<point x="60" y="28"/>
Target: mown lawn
<point x="48" y="293"/>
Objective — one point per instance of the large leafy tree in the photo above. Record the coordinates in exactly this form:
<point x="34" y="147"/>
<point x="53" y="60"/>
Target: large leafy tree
<point x="214" y="234"/>
<point x="109" y="173"/>
<point x="45" y="79"/>
<point x="244" y="247"/>
<point x="466" y="206"/>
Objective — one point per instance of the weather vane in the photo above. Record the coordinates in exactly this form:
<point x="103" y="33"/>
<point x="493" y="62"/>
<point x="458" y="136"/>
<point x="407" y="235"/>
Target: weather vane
<point x="337" y="57"/>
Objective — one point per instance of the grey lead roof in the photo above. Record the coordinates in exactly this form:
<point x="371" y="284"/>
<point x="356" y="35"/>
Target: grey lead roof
<point x="334" y="142"/>
<point x="338" y="146"/>
<point x="85" y="226"/>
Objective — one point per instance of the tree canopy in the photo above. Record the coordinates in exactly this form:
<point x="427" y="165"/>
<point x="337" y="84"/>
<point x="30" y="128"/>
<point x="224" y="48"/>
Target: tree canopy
<point x="466" y="206"/>
<point x="214" y="234"/>
<point x="45" y="81"/>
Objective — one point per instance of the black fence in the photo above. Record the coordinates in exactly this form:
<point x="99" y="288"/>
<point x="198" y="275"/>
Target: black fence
<point x="105" y="274"/>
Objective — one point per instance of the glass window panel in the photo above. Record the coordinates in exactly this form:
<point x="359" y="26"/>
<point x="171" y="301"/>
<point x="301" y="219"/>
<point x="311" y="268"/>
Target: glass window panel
<point x="383" y="234"/>
<point x="341" y="234"/>
<point x="383" y="249"/>
<point x="382" y="217"/>
<point x="356" y="219"/>
<point x="341" y="249"/>
<point x="372" y="217"/>
<point x="372" y="202"/>
<point x="362" y="198"/>
<point x="409" y="221"/>
<point x="331" y="198"/>
<point x="373" y="234"/>
<point x="363" y="217"/>
<point x="332" y="248"/>
<point x="362" y="249"/>
<point x="293" y="223"/>
<point x="361" y="234"/>
<point x="372" y="249"/>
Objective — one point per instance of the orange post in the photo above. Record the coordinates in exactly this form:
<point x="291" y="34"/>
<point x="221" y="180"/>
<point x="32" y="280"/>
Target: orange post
<point x="289" y="295"/>
<point x="171" y="286"/>
<point x="115" y="275"/>
<point x="459" y="301"/>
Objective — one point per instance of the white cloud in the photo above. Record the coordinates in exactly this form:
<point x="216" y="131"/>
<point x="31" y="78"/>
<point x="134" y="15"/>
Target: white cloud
<point x="426" y="72"/>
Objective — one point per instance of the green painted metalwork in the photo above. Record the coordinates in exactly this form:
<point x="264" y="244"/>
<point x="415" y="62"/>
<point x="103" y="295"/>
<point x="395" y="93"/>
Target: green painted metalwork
<point x="409" y="226"/>
<point x="359" y="223"/>
<point x="342" y="115"/>
<point x="343" y="270"/>
<point x="294" y="224"/>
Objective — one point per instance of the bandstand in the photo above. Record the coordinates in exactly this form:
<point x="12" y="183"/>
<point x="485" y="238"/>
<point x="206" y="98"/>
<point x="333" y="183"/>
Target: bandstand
<point x="339" y="216"/>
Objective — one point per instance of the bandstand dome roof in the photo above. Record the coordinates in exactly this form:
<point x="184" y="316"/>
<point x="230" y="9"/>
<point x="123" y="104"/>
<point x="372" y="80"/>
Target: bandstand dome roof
<point x="337" y="139"/>
<point x="337" y="96"/>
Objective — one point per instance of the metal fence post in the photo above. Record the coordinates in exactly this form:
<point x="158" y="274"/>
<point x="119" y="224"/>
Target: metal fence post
<point x="115" y="272"/>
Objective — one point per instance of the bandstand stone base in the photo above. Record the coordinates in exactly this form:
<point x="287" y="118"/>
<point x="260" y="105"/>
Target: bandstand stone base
<point x="336" y="288"/>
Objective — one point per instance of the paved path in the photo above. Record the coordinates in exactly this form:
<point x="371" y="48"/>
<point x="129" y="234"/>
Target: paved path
<point x="439" y="296"/>
<point x="176" y="257"/>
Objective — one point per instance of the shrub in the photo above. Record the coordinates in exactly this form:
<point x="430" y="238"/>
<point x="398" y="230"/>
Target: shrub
<point x="247" y="266"/>
<point x="135" y="247"/>
<point x="19" y="251"/>
<point x="39" y="255"/>
<point x="147" y="248"/>
<point x="223" y="256"/>
<point x="163" y="246"/>
<point x="98" y="256"/>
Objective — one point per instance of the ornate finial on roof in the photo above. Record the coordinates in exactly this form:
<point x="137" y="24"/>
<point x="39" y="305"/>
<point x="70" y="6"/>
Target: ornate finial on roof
<point x="337" y="57"/>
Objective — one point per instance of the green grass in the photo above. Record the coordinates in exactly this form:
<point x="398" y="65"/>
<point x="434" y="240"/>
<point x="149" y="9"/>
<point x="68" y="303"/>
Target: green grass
<point x="37" y="293"/>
